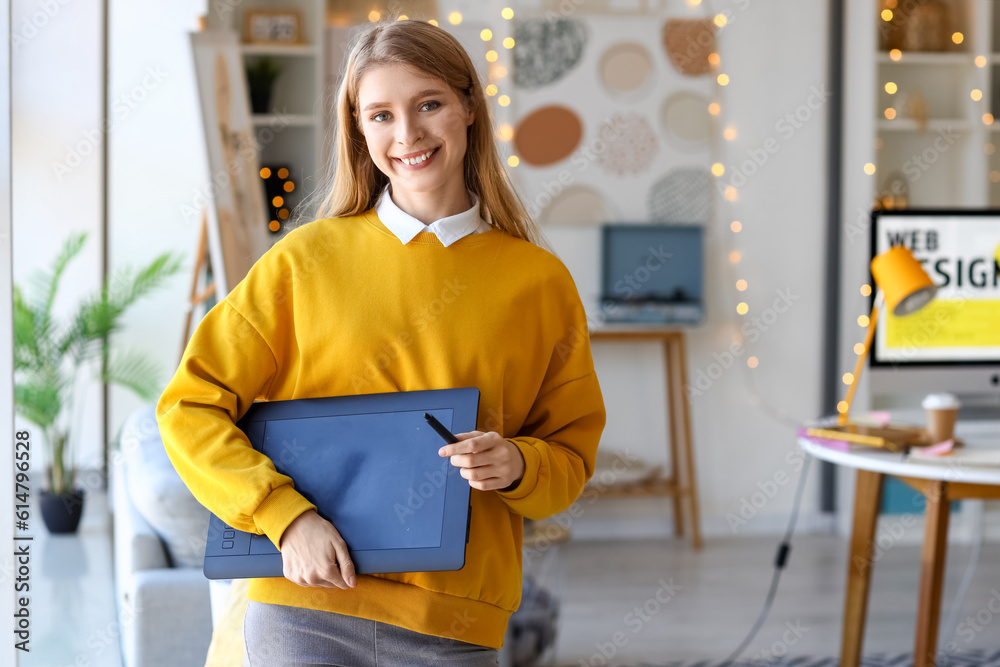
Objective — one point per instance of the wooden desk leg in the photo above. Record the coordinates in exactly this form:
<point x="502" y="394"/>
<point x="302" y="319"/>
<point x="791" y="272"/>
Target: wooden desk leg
<point x="867" y="501"/>
<point x="692" y="480"/>
<point x="673" y="432"/>
<point x="932" y="573"/>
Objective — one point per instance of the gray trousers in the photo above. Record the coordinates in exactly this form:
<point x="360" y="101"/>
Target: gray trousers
<point x="282" y="636"/>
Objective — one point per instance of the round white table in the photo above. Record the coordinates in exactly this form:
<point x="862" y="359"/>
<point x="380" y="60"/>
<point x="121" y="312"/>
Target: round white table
<point x="940" y="484"/>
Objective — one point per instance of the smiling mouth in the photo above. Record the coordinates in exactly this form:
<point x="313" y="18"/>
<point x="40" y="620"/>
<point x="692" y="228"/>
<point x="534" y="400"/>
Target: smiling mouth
<point x="417" y="158"/>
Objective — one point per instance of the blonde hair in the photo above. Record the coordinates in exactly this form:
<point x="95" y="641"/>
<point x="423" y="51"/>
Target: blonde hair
<point x="357" y="182"/>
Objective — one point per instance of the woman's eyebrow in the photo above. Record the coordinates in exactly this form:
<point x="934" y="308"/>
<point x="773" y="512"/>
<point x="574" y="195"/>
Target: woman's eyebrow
<point x="422" y="93"/>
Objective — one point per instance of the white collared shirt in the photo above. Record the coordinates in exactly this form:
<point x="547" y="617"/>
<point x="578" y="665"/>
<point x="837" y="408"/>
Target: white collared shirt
<point x="448" y="230"/>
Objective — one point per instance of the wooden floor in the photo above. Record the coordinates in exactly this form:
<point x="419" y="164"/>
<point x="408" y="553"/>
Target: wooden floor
<point x="691" y="605"/>
<point x="713" y="598"/>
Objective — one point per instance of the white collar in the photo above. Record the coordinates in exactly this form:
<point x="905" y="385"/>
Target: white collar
<point x="448" y="230"/>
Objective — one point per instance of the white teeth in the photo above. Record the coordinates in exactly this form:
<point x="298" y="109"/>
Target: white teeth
<point x="418" y="159"/>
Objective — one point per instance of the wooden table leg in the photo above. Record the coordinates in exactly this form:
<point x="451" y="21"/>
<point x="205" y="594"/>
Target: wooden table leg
<point x="673" y="431"/>
<point x="932" y="573"/>
<point x="867" y="501"/>
<point x="692" y="479"/>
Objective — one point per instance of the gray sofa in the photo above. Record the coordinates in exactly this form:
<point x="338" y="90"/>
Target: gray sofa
<point x="163" y="603"/>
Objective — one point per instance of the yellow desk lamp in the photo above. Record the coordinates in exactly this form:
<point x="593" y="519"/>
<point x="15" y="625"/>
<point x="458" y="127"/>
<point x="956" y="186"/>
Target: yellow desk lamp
<point x="904" y="287"/>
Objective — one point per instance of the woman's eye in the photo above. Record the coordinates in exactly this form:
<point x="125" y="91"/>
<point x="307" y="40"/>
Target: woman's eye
<point x="380" y="117"/>
<point x="430" y="106"/>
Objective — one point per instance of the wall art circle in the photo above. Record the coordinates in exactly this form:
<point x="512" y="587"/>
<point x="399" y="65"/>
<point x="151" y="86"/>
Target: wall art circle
<point x="688" y="43"/>
<point x="546" y="50"/>
<point x="627" y="144"/>
<point x="548" y="135"/>
<point x="626" y="68"/>
<point x="684" y="117"/>
<point x="682" y="196"/>
<point x="576" y="205"/>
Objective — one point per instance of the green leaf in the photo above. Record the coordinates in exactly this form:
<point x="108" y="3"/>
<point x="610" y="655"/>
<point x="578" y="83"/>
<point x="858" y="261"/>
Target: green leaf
<point x="135" y="371"/>
<point x="39" y="401"/>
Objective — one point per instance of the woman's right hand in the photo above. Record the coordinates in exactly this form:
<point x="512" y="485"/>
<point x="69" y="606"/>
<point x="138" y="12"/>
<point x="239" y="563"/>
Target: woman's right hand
<point x="311" y="549"/>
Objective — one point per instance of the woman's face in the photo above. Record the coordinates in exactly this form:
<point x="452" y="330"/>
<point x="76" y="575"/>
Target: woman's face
<point x="415" y="126"/>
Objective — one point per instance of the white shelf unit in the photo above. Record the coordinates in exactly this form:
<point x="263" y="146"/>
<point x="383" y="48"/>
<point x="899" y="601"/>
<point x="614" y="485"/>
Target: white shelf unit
<point x="945" y="159"/>
<point x="293" y="133"/>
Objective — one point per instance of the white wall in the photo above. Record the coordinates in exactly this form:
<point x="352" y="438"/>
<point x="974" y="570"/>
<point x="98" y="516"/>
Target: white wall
<point x="158" y="170"/>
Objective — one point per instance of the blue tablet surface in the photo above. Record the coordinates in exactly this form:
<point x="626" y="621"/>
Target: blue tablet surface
<point x="370" y="465"/>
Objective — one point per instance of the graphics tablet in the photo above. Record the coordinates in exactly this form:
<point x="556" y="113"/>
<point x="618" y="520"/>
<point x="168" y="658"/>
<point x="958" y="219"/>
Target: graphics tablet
<point x="370" y="464"/>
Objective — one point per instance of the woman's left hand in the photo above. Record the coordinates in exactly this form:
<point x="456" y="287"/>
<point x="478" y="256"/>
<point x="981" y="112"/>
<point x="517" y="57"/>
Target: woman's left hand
<point x="487" y="460"/>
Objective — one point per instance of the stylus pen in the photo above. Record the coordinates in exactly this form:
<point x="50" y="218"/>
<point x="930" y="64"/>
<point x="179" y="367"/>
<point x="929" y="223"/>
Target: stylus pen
<point x="439" y="427"/>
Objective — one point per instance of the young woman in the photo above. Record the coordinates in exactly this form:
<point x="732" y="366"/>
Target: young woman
<point x="423" y="271"/>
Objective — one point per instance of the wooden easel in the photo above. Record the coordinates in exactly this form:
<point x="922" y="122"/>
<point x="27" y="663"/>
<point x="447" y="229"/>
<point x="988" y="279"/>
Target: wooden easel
<point x="203" y="261"/>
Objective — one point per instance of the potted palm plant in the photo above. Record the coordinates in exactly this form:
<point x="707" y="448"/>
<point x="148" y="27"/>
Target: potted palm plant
<point x="50" y="358"/>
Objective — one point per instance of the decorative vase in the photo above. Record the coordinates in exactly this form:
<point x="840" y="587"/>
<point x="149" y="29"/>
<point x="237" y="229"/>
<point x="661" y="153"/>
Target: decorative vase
<point x="61" y="511"/>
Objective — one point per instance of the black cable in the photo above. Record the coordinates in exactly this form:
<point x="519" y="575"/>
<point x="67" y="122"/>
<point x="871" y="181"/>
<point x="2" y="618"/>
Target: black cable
<point x="780" y="560"/>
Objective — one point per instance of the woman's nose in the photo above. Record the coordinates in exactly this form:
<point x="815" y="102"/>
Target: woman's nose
<point x="408" y="130"/>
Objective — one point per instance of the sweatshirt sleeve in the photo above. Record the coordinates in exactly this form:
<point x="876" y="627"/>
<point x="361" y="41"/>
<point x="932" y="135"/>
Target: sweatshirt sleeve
<point x="559" y="437"/>
<point x="225" y="366"/>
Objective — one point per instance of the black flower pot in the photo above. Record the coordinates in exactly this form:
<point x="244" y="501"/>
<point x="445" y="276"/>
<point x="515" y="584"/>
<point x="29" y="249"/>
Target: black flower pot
<point x="61" y="511"/>
<point x="260" y="100"/>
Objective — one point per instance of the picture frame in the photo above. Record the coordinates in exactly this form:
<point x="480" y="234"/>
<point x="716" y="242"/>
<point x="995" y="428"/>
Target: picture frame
<point x="272" y="26"/>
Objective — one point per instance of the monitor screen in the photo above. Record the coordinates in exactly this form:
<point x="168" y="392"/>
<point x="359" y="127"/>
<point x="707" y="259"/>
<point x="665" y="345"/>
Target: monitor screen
<point x="653" y="263"/>
<point x="961" y="326"/>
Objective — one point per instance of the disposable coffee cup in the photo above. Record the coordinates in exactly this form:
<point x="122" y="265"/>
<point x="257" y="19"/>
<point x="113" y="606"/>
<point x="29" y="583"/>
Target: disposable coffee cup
<point x="942" y="413"/>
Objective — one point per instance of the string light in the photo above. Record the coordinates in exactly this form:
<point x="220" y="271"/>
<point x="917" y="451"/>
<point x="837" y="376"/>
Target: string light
<point x="714" y="108"/>
<point x="886" y="14"/>
<point x="890" y="113"/>
<point x="720" y="20"/>
<point x="455" y="18"/>
<point x="859" y="349"/>
<point x="278" y="201"/>
<point x="486" y="35"/>
<point x="507" y="13"/>
<point x="866" y="290"/>
<point x="374" y="15"/>
<point x="491" y="56"/>
<point x="988" y="118"/>
<point x="869" y="168"/>
<point x="742" y="308"/>
<point x="741" y="285"/>
<point x="862" y="320"/>
<point x="842" y="407"/>
<point x="729" y="133"/>
<point x="734" y="257"/>
<point x="890" y="88"/>
<point x="274" y="225"/>
<point x="491" y="90"/>
<point x="976" y="94"/>
<point x="265" y="173"/>
<point x="736" y="226"/>
<point x="506" y="132"/>
<point x="503" y="100"/>
<point x="433" y="22"/>
<point x="283" y="173"/>
<point x="508" y="43"/>
<point x="752" y="362"/>
<point x="848" y="378"/>
<point x="718" y="169"/>
<point x="713" y="58"/>
<point x="498" y="71"/>
<point x="730" y="193"/>
<point x="957" y="37"/>
<point x="402" y="17"/>
<point x="289" y="186"/>
<point x="980" y="61"/>
<point x="513" y="161"/>
<point x="895" y="54"/>
<point x="723" y="79"/>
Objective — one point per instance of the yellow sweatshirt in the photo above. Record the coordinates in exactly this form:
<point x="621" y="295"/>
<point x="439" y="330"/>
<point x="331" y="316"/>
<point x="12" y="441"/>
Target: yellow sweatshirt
<point x="340" y="307"/>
